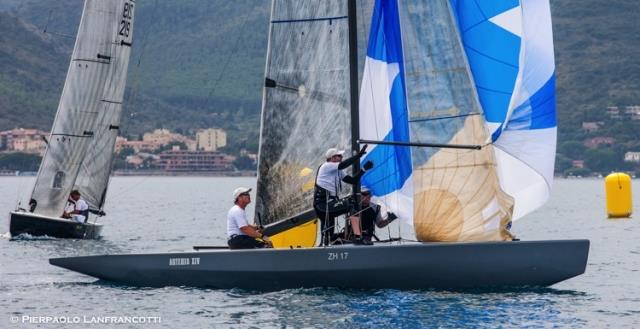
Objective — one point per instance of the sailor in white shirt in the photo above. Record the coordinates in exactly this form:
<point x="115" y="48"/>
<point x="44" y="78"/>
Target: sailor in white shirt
<point x="326" y="200"/>
<point x="77" y="209"/>
<point x="240" y="233"/>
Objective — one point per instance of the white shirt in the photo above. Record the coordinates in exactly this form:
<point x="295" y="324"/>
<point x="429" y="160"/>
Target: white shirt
<point x="330" y="177"/>
<point x="80" y="205"/>
<point x="236" y="218"/>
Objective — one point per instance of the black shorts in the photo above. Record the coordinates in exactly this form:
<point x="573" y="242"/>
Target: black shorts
<point x="244" y="242"/>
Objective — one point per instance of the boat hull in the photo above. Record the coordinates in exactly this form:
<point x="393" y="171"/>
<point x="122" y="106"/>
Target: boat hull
<point x="407" y="266"/>
<point x="37" y="225"/>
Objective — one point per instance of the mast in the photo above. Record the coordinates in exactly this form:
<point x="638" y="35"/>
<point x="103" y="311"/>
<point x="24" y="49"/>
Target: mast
<point x="353" y="87"/>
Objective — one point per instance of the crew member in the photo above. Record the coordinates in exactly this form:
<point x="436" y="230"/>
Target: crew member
<point x="240" y="233"/>
<point x="326" y="200"/>
<point x="77" y="209"/>
<point x="370" y="216"/>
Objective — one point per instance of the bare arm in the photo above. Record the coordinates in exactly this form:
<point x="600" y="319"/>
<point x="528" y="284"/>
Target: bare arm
<point x="251" y="231"/>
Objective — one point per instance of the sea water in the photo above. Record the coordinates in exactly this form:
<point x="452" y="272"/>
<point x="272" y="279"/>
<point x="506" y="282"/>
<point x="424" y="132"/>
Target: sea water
<point x="156" y="214"/>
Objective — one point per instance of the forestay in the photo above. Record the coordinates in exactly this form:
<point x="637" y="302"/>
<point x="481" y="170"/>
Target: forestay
<point x="510" y="49"/>
<point x="451" y="194"/>
<point x="95" y="171"/>
<point x="81" y="103"/>
<point x="305" y="107"/>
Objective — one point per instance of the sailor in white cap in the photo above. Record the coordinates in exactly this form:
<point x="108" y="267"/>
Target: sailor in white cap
<point x="326" y="200"/>
<point x="241" y="234"/>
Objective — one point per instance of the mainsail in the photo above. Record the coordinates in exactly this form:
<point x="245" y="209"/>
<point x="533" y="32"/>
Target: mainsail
<point x="95" y="171"/>
<point x="450" y="194"/>
<point x="92" y="94"/>
<point x="306" y="102"/>
<point x="509" y="45"/>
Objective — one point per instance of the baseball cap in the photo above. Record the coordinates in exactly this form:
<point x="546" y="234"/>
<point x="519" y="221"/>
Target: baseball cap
<point x="333" y="151"/>
<point x="240" y="190"/>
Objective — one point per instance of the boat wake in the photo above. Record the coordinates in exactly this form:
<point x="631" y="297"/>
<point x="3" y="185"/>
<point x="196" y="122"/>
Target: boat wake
<point x="29" y="237"/>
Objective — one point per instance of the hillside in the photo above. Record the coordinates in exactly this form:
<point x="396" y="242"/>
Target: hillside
<point x="200" y="63"/>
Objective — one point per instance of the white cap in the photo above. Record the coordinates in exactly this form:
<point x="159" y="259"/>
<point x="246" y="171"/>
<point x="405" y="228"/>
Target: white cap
<point x="364" y="189"/>
<point x="333" y="151"/>
<point x="240" y="190"/>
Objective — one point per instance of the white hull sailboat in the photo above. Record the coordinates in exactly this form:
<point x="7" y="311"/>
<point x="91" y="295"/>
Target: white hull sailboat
<point x="434" y="146"/>
<point x="80" y="147"/>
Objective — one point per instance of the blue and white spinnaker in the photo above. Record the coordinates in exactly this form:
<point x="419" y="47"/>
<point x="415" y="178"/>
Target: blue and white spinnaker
<point x="509" y="46"/>
<point x="384" y="114"/>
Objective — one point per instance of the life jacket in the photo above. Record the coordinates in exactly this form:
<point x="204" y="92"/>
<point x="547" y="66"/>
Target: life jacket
<point x="324" y="202"/>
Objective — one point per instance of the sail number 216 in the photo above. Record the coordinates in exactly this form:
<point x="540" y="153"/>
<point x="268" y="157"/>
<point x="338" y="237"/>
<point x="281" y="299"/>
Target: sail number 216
<point x="125" y="23"/>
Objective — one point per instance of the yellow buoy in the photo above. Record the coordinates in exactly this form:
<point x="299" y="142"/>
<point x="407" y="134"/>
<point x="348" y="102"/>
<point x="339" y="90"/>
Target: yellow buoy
<point x="618" y="194"/>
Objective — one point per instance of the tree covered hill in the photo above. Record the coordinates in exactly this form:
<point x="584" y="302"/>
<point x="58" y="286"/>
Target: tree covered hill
<point x="199" y="63"/>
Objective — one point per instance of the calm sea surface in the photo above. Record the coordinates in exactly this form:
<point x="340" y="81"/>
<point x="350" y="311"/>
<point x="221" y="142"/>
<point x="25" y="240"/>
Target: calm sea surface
<point x="149" y="214"/>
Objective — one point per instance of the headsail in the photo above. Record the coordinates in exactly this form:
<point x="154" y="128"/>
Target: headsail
<point x="383" y="112"/>
<point x="456" y="195"/>
<point x="306" y="102"/>
<point x="80" y="105"/>
<point x="95" y="171"/>
<point x="510" y="49"/>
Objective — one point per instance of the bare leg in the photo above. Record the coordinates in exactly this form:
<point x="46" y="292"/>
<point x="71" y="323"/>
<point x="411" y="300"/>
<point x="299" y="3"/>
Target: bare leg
<point x="355" y="225"/>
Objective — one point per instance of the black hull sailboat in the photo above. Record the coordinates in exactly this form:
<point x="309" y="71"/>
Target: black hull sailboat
<point x="406" y="266"/>
<point x="447" y="188"/>
<point x="36" y="225"/>
<point x="79" y="152"/>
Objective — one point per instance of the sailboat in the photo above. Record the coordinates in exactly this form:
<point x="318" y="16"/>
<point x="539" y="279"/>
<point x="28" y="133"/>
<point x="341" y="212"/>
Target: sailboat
<point x="435" y="160"/>
<point x="80" y="147"/>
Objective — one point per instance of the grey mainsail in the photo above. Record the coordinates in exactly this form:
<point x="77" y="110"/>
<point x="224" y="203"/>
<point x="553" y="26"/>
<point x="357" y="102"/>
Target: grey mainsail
<point x="95" y="171"/>
<point x="305" y="102"/>
<point x="95" y="76"/>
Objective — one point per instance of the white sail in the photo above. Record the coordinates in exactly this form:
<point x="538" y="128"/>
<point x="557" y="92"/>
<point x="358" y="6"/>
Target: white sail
<point x="80" y="106"/>
<point x="95" y="171"/>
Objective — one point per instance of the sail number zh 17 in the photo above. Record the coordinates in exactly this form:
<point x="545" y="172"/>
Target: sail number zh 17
<point x="125" y="23"/>
<point x="332" y="256"/>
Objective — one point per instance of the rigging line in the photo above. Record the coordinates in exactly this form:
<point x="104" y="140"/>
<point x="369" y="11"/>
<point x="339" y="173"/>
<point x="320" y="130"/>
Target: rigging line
<point x="446" y="117"/>
<point x="234" y="50"/>
<point x="46" y="25"/>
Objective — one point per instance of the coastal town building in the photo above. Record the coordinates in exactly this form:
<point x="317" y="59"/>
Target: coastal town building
<point x="592" y="126"/>
<point x="153" y="141"/>
<point x="23" y="140"/>
<point x="632" y="157"/>
<point x="633" y="111"/>
<point x="614" y="112"/>
<point x="597" y="141"/>
<point x="183" y="160"/>
<point x="210" y="139"/>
